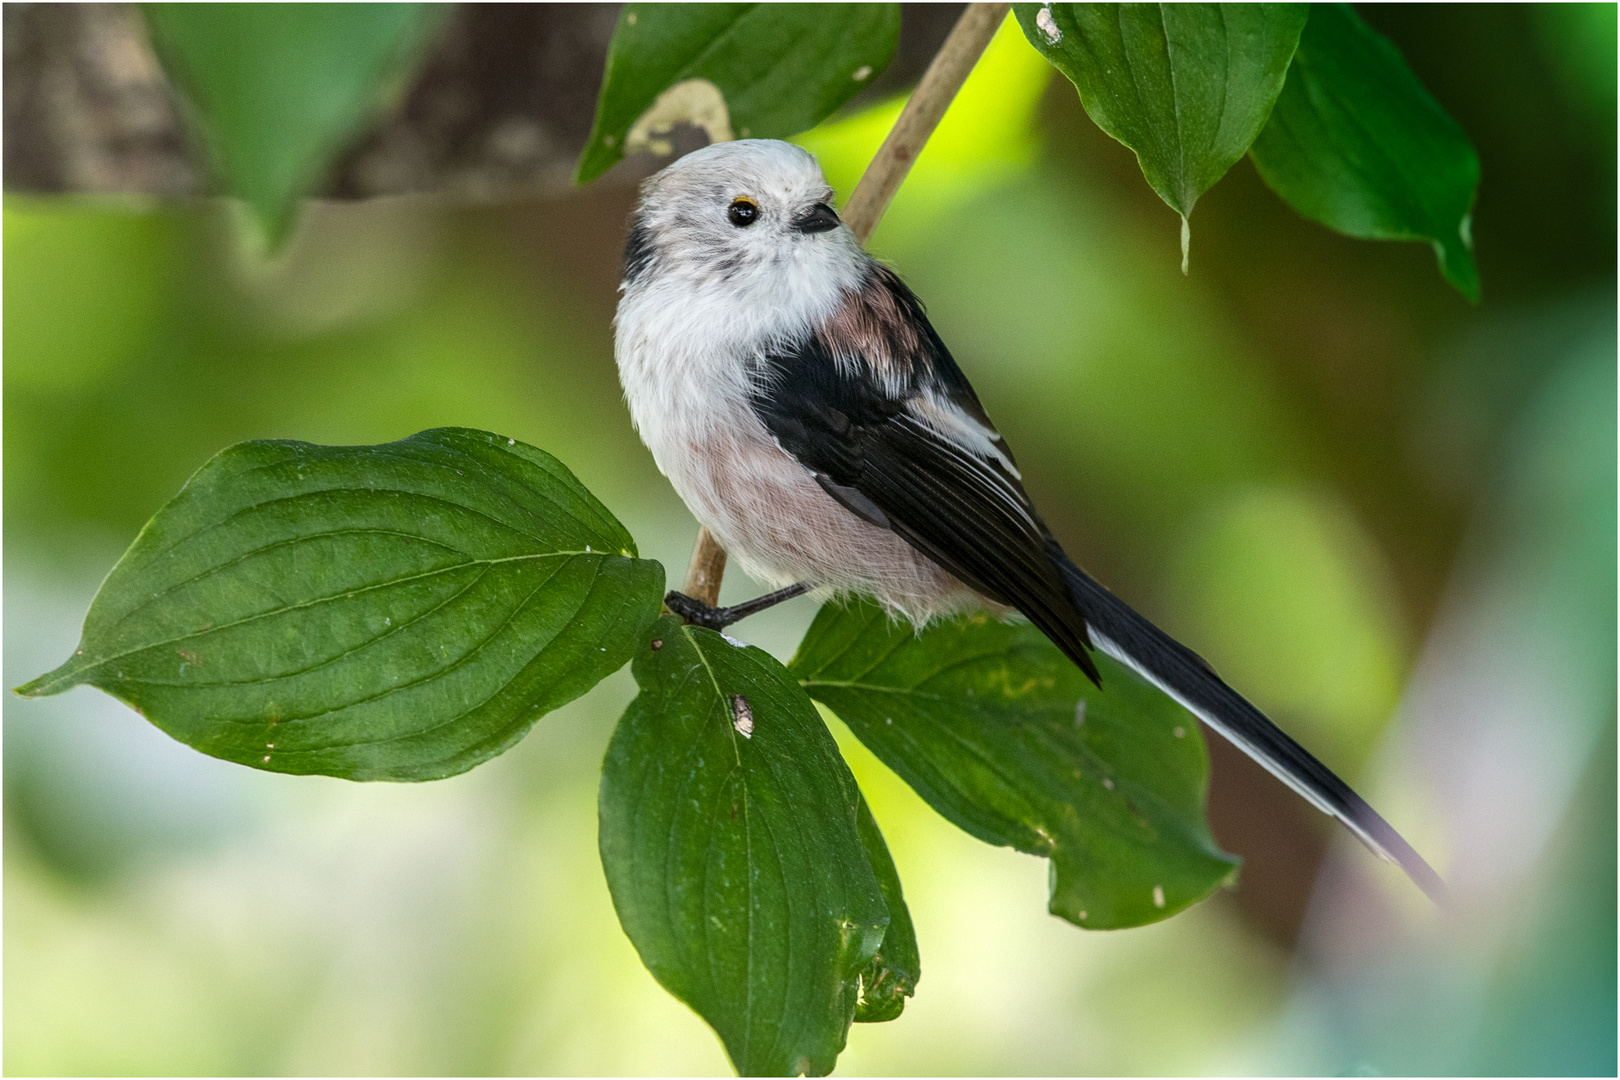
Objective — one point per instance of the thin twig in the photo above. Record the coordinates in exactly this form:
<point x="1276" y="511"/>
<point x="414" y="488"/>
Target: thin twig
<point x="708" y="567"/>
<point x="927" y="104"/>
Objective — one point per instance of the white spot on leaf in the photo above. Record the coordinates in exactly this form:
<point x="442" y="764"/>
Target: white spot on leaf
<point x="1179" y="732"/>
<point x="1048" y="26"/>
<point x="696" y="101"/>
<point x="1158" y="896"/>
<point x="862" y="73"/>
<point x="742" y="716"/>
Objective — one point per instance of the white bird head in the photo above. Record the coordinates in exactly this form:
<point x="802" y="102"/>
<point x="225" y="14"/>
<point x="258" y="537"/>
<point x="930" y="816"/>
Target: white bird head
<point x="748" y="217"/>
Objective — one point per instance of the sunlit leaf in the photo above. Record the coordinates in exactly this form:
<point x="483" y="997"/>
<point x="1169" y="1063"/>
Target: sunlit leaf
<point x="394" y="612"/>
<point x="763" y="71"/>
<point x="1186" y="86"/>
<point x="731" y="841"/>
<point x="999" y="732"/>
<point x="1358" y="144"/>
<point x="279" y="90"/>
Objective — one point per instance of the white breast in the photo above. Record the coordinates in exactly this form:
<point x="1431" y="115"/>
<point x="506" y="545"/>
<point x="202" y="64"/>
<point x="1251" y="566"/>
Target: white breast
<point x="685" y="359"/>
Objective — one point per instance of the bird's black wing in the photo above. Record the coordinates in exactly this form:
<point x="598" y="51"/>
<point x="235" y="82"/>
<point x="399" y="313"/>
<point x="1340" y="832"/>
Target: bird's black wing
<point x="901" y="440"/>
<point x="909" y="447"/>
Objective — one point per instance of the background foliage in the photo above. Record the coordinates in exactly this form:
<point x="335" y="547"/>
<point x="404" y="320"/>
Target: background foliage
<point x="1305" y="459"/>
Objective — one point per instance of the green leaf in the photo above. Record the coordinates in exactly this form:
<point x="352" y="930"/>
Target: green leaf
<point x="730" y="840"/>
<point x="999" y="732"/>
<point x="1186" y="86"/>
<point x="1358" y="144"/>
<point x="395" y="612"/>
<point x="891" y="975"/>
<point x="779" y="69"/>
<point x="278" y="91"/>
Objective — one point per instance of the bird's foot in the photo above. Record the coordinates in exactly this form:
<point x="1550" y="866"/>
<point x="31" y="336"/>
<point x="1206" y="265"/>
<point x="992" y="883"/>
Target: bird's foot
<point x="697" y="613"/>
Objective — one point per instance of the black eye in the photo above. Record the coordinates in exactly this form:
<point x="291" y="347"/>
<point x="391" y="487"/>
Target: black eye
<point x="743" y="212"/>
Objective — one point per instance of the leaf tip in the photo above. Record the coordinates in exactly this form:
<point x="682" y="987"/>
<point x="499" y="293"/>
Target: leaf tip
<point x="52" y="682"/>
<point x="262" y="227"/>
<point x="587" y="169"/>
<point x="1457" y="265"/>
<point x="278" y="224"/>
<point x="1186" y="242"/>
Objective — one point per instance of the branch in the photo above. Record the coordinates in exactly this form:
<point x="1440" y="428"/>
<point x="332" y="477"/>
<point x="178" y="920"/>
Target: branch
<point x="865" y="208"/>
<point x="921" y="115"/>
<point x="708" y="567"/>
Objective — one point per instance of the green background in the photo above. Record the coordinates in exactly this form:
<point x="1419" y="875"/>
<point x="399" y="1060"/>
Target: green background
<point x="1305" y="460"/>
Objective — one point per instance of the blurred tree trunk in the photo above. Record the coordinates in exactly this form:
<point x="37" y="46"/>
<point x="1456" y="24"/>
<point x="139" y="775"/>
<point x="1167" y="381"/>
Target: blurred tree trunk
<point x="501" y="104"/>
<point x="87" y="108"/>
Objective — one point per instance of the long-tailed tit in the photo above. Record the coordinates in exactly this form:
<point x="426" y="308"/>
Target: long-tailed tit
<point x="792" y="389"/>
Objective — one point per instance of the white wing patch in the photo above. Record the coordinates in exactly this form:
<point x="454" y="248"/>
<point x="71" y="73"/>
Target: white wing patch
<point x="979" y="448"/>
<point x="955" y="426"/>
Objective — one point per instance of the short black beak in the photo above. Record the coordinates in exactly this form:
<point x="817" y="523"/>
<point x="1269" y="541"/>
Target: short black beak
<point x="819" y="218"/>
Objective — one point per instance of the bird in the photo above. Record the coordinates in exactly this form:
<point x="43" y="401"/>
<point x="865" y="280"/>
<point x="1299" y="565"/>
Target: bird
<point x="792" y="389"/>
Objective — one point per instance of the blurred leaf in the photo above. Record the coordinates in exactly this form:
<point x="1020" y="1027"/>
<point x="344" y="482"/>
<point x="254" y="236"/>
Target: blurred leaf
<point x="1186" y="86"/>
<point x="779" y="69"/>
<point x="999" y="732"/>
<point x="1358" y="144"/>
<point x="730" y="841"/>
<point x="279" y="90"/>
<point x="395" y="612"/>
<point x="892" y="974"/>
<point x="1575" y="40"/>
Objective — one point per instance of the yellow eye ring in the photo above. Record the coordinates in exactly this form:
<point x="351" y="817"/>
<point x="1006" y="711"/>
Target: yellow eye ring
<point x="743" y="211"/>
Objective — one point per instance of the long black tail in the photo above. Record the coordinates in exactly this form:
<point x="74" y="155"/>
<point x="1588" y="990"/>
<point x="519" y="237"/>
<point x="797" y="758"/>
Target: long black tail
<point x="1126" y="636"/>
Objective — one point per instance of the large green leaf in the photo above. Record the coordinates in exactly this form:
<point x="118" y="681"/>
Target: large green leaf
<point x="780" y="68"/>
<point x="1358" y="144"/>
<point x="1186" y="86"/>
<point x="729" y="834"/>
<point x="992" y="725"/>
<point x="279" y="90"/>
<point x="395" y="612"/>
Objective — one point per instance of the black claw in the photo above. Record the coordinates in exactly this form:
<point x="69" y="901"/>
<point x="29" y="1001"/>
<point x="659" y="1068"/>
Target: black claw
<point x="697" y="613"/>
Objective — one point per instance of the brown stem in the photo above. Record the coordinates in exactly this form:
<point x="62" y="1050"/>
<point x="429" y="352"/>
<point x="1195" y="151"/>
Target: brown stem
<point x="922" y="113"/>
<point x="708" y="567"/>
